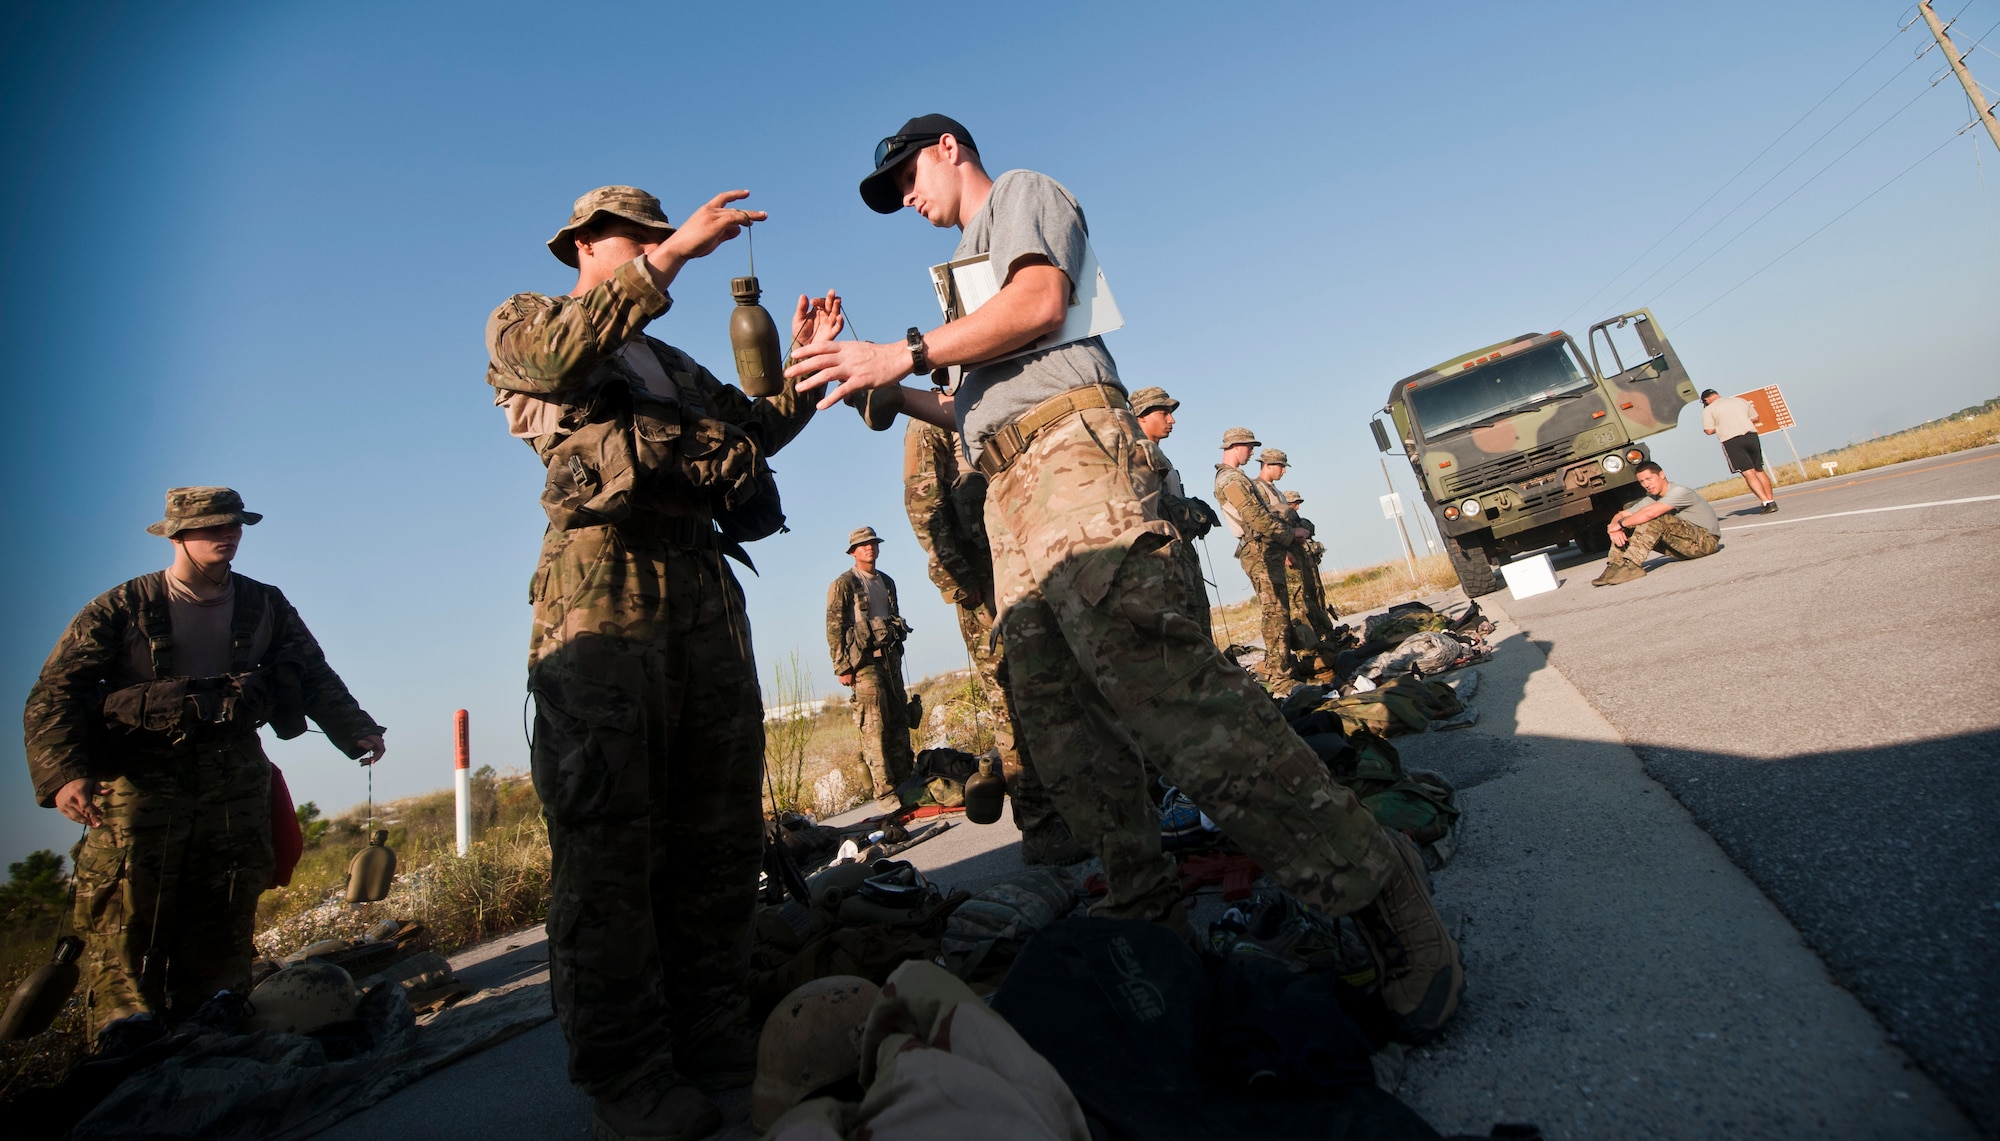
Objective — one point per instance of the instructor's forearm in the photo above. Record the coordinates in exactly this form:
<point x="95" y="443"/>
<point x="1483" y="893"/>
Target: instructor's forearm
<point x="1032" y="304"/>
<point x="930" y="406"/>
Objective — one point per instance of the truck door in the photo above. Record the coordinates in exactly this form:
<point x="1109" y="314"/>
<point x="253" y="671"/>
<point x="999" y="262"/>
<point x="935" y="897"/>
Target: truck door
<point x="1647" y="381"/>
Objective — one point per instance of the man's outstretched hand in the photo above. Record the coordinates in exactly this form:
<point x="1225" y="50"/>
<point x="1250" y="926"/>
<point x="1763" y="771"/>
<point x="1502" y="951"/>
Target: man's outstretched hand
<point x="851" y="366"/>
<point x="817" y="319"/>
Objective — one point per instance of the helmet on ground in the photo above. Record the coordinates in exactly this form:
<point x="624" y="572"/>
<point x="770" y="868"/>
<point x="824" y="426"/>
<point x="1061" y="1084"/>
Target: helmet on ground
<point x="301" y="999"/>
<point x="812" y="1040"/>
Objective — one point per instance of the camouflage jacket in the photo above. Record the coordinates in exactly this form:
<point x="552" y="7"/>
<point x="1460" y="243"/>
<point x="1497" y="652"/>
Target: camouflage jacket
<point x="944" y="507"/>
<point x="548" y="355"/>
<point x="1244" y="509"/>
<point x="64" y="722"/>
<point x="1190" y="516"/>
<point x="855" y="637"/>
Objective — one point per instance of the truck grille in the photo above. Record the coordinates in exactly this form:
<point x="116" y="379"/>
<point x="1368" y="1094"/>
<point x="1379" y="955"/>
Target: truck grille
<point x="1506" y="468"/>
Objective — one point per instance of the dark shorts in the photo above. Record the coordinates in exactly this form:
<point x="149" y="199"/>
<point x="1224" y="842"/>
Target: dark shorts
<point x="1745" y="452"/>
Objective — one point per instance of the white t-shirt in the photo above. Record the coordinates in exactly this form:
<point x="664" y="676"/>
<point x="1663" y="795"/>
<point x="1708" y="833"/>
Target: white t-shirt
<point x="1728" y="417"/>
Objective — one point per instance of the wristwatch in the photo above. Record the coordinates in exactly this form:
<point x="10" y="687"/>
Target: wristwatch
<point x="920" y="361"/>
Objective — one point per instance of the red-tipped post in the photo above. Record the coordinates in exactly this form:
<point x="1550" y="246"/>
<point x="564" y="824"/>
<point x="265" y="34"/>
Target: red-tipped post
<point x="462" y="778"/>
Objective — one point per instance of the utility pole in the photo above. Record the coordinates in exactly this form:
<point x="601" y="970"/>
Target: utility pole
<point x="1979" y="103"/>
<point x="1392" y="507"/>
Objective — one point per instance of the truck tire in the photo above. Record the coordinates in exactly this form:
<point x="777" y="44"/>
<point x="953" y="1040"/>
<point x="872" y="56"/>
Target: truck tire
<point x="1475" y="574"/>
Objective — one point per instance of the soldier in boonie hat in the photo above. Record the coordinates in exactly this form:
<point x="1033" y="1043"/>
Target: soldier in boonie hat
<point x="627" y="202"/>
<point x="861" y="535"/>
<point x="1273" y="456"/>
<point x="1236" y="437"/>
<point x="192" y="507"/>
<point x="1147" y="399"/>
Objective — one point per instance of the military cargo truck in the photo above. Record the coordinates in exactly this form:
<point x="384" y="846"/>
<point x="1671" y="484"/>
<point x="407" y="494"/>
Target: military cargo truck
<point x="1527" y="444"/>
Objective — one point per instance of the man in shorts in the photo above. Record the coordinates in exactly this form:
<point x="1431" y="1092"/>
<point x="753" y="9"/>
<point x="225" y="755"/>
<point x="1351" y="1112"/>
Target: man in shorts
<point x="1668" y="516"/>
<point x="1734" y="420"/>
<point x="1109" y="672"/>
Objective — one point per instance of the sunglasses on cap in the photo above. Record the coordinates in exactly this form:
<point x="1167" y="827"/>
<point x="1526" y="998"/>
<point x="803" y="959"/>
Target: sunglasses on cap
<point x="894" y="143"/>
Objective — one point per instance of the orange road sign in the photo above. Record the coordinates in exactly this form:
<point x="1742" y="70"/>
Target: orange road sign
<point x="1772" y="415"/>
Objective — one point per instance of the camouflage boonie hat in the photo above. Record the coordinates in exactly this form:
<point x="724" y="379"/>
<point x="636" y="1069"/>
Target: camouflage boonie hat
<point x="1294" y="498"/>
<point x="627" y="202"/>
<point x="1273" y="456"/>
<point x="1235" y="436"/>
<point x="1147" y="399"/>
<point x="862" y="535"/>
<point x="191" y="507"/>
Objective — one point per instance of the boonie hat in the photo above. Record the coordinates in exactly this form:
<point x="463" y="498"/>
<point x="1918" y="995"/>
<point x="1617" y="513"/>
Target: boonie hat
<point x="862" y="535"/>
<point x="1147" y="399"/>
<point x="191" y="507"/>
<point x="1273" y="456"/>
<point x="627" y="202"/>
<point x="879" y="189"/>
<point x="1235" y="436"/>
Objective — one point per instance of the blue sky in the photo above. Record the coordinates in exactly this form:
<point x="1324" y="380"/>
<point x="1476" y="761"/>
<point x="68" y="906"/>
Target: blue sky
<point x="255" y="244"/>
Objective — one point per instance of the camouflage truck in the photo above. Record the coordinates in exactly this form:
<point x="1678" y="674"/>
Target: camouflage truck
<point x="1526" y="444"/>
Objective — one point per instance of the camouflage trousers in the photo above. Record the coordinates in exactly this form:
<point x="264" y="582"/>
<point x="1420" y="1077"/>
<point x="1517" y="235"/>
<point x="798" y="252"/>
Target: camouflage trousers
<point x="882" y="717"/>
<point x="186" y="842"/>
<point x="1034" y="813"/>
<point x="1194" y="586"/>
<point x="1677" y="536"/>
<point x="647" y="755"/>
<point x="1311" y="618"/>
<point x="1271" y="578"/>
<point x="1107" y="670"/>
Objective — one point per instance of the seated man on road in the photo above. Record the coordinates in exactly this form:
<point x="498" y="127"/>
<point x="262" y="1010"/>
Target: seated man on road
<point x="1669" y="516"/>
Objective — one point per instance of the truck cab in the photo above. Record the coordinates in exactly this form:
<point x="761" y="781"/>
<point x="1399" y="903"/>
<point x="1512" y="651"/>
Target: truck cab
<point x="1529" y="443"/>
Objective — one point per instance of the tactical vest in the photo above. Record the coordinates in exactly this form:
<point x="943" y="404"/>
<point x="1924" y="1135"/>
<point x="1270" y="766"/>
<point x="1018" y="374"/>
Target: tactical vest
<point x="173" y="707"/>
<point x="620" y="447"/>
<point x="869" y="636"/>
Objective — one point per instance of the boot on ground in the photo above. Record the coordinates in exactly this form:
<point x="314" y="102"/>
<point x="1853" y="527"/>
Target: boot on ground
<point x="1617" y="572"/>
<point x="668" y="1110"/>
<point x="1052" y="845"/>
<point x="718" y="1051"/>
<point x="1416" y="959"/>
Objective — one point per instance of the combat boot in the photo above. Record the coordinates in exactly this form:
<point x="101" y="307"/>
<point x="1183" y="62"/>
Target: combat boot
<point x="1617" y="572"/>
<point x="668" y="1110"/>
<point x="1416" y="959"/>
<point x="718" y="1051"/>
<point x="1052" y="845"/>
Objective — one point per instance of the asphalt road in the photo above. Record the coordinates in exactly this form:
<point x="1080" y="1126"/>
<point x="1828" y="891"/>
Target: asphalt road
<point x="1823" y="695"/>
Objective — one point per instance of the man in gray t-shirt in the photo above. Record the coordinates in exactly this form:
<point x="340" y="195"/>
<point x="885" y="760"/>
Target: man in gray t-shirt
<point x="1108" y="671"/>
<point x="1668" y="516"/>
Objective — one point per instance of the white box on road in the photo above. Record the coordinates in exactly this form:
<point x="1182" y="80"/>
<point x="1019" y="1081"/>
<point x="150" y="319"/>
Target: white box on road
<point x="1529" y="576"/>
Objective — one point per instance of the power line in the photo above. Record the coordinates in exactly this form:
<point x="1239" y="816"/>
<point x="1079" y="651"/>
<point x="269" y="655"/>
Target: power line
<point x="1767" y="182"/>
<point x="1795" y="190"/>
<point x="1739" y="174"/>
<point x="1837" y="217"/>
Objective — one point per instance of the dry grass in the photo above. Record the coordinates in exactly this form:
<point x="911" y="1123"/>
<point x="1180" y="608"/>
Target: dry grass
<point x="1972" y="428"/>
<point x="1348" y="592"/>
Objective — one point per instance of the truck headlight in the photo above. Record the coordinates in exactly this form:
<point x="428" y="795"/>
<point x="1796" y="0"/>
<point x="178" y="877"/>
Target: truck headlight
<point x="1612" y="464"/>
<point x="1470" y="507"/>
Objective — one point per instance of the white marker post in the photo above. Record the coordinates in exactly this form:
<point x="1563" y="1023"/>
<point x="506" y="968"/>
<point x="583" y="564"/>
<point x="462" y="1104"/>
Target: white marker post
<point x="462" y="778"/>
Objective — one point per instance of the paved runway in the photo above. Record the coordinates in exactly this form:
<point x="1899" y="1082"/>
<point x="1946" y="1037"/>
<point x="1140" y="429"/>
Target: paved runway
<point x="1824" y="696"/>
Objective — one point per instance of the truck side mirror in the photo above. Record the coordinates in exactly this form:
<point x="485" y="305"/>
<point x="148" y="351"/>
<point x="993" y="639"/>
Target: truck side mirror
<point x="1381" y="436"/>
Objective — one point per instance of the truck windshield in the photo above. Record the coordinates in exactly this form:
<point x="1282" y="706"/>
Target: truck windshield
<point x="1510" y="385"/>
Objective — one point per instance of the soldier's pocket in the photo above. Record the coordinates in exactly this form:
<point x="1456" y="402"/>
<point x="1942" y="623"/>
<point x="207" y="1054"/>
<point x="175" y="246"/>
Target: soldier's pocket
<point x="103" y="890"/>
<point x="588" y="758"/>
<point x="1147" y="595"/>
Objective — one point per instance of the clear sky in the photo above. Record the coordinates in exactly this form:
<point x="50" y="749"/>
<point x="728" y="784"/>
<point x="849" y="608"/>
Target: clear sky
<point x="255" y="244"/>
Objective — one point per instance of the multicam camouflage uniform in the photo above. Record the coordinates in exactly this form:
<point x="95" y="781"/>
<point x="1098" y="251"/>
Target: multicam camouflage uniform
<point x="649" y="733"/>
<point x="946" y="510"/>
<point x="1192" y="518"/>
<point x="869" y="646"/>
<point x="1682" y="539"/>
<point x="186" y="838"/>
<point x="1311" y="621"/>
<point x="1263" y="540"/>
<point x="1107" y="668"/>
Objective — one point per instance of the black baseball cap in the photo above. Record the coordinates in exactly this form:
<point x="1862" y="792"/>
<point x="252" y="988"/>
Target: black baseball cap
<point x="1708" y="392"/>
<point x="879" y="189"/>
